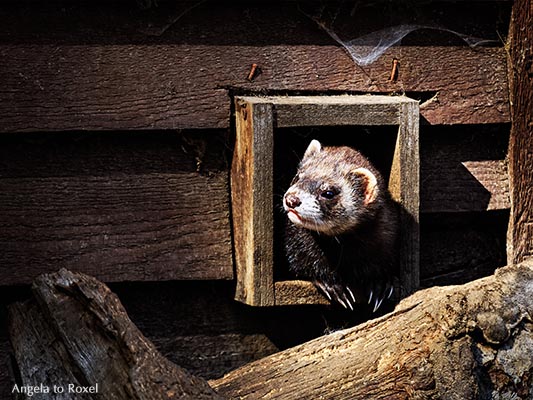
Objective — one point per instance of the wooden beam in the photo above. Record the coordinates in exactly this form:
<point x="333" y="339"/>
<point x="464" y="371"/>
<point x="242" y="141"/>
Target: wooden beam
<point x="252" y="205"/>
<point x="54" y="78"/>
<point x="295" y="111"/>
<point x="520" y="240"/>
<point x="404" y="186"/>
<point x="52" y="87"/>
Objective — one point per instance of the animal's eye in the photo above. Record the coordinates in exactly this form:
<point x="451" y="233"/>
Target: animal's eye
<point x="328" y="194"/>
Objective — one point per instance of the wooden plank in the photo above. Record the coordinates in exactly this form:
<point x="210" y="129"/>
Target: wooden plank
<point x="54" y="79"/>
<point x="61" y="196"/>
<point x="460" y="247"/>
<point x="293" y="111"/>
<point x="298" y="292"/>
<point x="404" y="186"/>
<point x="520" y="240"/>
<point x="154" y="94"/>
<point x="252" y="206"/>
<point x="120" y="210"/>
<point x="460" y="175"/>
<point x="492" y="175"/>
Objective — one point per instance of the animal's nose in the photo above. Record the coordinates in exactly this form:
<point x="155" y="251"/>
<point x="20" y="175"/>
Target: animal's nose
<point x="292" y="200"/>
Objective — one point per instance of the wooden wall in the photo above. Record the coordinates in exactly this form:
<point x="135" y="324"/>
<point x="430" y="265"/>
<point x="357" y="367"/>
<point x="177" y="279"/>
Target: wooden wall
<point x="116" y="137"/>
<point x="118" y="205"/>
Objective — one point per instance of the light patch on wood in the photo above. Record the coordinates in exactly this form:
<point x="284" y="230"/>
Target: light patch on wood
<point x="493" y="176"/>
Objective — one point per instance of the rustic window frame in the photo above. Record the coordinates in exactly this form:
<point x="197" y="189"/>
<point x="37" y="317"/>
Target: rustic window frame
<point x="252" y="184"/>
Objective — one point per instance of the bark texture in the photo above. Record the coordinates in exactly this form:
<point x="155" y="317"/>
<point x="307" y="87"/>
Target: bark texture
<point x="521" y="143"/>
<point x="457" y="342"/>
<point x="76" y="331"/>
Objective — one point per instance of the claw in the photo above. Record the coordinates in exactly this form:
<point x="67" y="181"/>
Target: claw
<point x="390" y="292"/>
<point x="370" y="297"/>
<point x="377" y="304"/>
<point x="324" y="290"/>
<point x="351" y="294"/>
<point x="347" y="300"/>
<point x="338" y="294"/>
<point x="340" y="300"/>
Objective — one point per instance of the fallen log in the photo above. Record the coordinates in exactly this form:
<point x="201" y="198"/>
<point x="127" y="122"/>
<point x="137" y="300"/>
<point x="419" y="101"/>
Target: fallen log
<point x="473" y="341"/>
<point x="456" y="342"/>
<point x="75" y="340"/>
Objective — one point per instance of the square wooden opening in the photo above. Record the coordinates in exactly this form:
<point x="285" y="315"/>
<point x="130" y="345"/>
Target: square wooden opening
<point x="252" y="184"/>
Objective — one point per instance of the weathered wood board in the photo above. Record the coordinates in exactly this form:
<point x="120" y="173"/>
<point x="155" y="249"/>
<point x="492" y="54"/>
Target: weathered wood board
<point x="61" y="194"/>
<point x="78" y="66"/>
<point x="464" y="168"/>
<point x="59" y="75"/>
<point x="119" y="207"/>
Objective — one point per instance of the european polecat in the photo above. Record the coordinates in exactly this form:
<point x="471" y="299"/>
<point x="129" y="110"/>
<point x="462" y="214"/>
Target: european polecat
<point x="342" y="228"/>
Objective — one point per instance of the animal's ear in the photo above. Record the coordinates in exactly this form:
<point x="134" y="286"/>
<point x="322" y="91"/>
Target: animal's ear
<point x="314" y="148"/>
<point x="370" y="185"/>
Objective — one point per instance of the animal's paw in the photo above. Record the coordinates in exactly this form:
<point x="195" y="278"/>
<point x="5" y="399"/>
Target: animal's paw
<point x="339" y="293"/>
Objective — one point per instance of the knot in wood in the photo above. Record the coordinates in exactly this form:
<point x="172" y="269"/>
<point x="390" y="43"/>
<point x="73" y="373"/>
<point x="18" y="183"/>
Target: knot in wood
<point x="493" y="327"/>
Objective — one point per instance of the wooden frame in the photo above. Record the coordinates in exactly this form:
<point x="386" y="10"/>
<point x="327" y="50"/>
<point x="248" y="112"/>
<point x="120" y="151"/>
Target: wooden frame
<point x="252" y="184"/>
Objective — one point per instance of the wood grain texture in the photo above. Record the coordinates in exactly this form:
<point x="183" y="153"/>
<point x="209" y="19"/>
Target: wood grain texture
<point x="76" y="331"/>
<point x="117" y="207"/>
<point x="334" y="110"/>
<point x="118" y="76"/>
<point x="404" y="186"/>
<point x="252" y="204"/>
<point x="8" y="370"/>
<point x="61" y="194"/>
<point x="298" y="292"/>
<point x="6" y="380"/>
<point x="427" y="348"/>
<point x="520" y="240"/>
<point x="459" y="247"/>
<point x="458" y="174"/>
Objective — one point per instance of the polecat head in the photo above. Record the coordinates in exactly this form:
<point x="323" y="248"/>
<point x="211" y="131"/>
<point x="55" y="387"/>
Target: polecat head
<point x="334" y="190"/>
